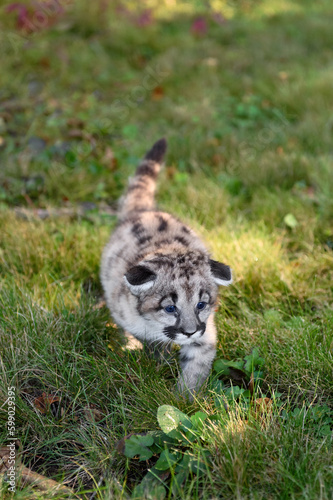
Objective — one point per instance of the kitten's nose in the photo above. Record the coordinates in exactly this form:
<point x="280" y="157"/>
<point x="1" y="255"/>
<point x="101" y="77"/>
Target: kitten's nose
<point x="189" y="334"/>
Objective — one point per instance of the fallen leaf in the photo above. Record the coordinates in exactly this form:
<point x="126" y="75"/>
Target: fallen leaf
<point x="45" y="62"/>
<point x="42" y="483"/>
<point x="158" y="93"/>
<point x="92" y="413"/>
<point x="44" y="402"/>
<point x="120" y="445"/>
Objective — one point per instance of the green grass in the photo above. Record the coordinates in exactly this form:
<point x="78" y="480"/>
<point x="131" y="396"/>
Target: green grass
<point x="246" y="108"/>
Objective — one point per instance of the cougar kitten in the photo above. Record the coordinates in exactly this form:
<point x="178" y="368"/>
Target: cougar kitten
<point x="159" y="281"/>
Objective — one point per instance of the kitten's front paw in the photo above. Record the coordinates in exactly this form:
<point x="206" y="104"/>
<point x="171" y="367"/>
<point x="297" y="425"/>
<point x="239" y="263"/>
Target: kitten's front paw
<point x="182" y="391"/>
<point x="132" y="343"/>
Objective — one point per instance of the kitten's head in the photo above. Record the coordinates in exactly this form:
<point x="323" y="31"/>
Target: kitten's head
<point x="176" y="294"/>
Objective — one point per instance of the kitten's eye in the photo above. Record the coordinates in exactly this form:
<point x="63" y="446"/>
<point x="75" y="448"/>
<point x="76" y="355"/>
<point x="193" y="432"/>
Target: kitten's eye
<point x="170" y="309"/>
<point x="201" y="305"/>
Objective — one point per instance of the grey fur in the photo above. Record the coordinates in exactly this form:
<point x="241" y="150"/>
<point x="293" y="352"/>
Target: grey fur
<point x="153" y="261"/>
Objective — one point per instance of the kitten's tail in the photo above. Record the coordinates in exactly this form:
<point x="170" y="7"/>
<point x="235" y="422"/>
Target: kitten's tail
<point x="140" y="194"/>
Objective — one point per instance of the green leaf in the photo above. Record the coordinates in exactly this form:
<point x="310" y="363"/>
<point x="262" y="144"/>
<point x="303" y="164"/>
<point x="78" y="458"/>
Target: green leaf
<point x="178" y="480"/>
<point x="196" y="466"/>
<point x="151" y="487"/>
<point x="253" y="361"/>
<point x="235" y="364"/>
<point x="167" y="460"/>
<point x="221" y="367"/>
<point x="290" y="221"/>
<point x="184" y="463"/>
<point x="197" y="419"/>
<point x="296" y="412"/>
<point x="149" y="490"/>
<point x="137" y="445"/>
<point x="161" y="439"/>
<point x="258" y="375"/>
<point x="189" y="463"/>
<point x="218" y="386"/>
<point x="234" y="392"/>
<point x="171" y="420"/>
<point x="191" y="436"/>
<point x="325" y="430"/>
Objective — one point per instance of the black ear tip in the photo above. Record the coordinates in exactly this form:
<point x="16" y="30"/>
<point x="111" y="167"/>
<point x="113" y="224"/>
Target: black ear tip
<point x="226" y="272"/>
<point x="157" y="152"/>
<point x="138" y="275"/>
<point x="221" y="271"/>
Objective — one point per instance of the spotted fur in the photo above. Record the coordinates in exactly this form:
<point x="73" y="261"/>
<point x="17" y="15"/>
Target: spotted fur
<point x="153" y="261"/>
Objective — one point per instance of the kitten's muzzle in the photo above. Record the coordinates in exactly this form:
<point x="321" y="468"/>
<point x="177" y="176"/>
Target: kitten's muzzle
<point x="172" y="331"/>
<point x="189" y="334"/>
<point x="201" y="329"/>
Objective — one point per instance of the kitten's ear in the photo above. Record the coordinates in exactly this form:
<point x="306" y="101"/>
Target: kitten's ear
<point x="139" y="279"/>
<point x="221" y="273"/>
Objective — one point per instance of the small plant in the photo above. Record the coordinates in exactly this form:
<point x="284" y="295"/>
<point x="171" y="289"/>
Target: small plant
<point x="173" y="445"/>
<point x="177" y="450"/>
<point x="318" y="418"/>
<point x="178" y="444"/>
<point x="245" y="376"/>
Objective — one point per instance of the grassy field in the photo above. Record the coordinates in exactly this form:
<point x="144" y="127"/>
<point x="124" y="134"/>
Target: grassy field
<point x="243" y="93"/>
